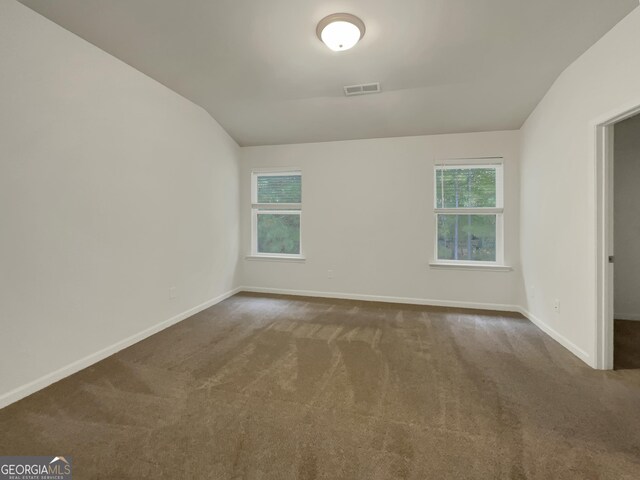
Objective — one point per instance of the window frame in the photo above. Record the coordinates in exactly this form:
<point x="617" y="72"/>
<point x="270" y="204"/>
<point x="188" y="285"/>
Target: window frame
<point x="273" y="209"/>
<point x="472" y="163"/>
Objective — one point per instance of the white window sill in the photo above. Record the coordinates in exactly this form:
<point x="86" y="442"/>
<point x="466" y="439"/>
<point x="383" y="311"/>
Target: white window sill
<point x="277" y="258"/>
<point x="470" y="266"/>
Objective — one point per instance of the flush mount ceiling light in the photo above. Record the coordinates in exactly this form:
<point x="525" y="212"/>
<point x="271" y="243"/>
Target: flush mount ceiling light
<point x="340" y="31"/>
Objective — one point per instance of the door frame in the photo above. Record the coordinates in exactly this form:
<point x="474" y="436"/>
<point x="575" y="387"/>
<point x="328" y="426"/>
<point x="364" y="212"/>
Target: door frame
<point x="603" y="132"/>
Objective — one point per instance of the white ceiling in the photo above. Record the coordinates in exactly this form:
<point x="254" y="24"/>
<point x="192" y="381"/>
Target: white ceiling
<point x="257" y="66"/>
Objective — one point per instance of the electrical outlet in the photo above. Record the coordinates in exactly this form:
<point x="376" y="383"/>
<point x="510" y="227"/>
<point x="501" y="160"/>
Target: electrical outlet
<point x="329" y="273"/>
<point x="172" y="293"/>
<point x="556" y="305"/>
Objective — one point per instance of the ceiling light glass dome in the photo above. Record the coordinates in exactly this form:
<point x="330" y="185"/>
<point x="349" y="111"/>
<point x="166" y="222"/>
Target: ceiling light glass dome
<point x="340" y="31"/>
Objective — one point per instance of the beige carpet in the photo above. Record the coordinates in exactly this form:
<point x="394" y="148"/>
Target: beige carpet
<point x="264" y="387"/>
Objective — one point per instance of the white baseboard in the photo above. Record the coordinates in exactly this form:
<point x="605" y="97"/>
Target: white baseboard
<point x="386" y="299"/>
<point x="627" y="316"/>
<point x="561" y="339"/>
<point x="46" y="380"/>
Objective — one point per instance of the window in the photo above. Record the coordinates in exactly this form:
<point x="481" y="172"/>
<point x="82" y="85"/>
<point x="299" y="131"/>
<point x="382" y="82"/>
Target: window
<point x="276" y="208"/>
<point x="468" y="212"/>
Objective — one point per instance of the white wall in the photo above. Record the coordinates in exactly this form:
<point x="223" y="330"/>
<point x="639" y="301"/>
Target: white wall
<point x="558" y="184"/>
<point x="368" y="216"/>
<point x="112" y="189"/>
<point x="627" y="219"/>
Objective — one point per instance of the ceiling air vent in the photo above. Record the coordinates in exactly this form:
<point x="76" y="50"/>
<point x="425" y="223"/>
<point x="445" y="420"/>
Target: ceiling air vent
<point x="362" y="89"/>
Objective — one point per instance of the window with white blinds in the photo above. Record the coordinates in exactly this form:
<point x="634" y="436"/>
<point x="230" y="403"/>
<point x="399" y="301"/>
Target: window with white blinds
<point x="276" y="211"/>
<point x="468" y="207"/>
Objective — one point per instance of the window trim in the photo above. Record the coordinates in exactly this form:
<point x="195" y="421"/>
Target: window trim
<point x="470" y="266"/>
<point x="498" y="211"/>
<point x="272" y="209"/>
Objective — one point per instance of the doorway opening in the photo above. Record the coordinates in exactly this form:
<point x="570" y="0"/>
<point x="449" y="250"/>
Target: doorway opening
<point x="626" y="243"/>
<point x="617" y="162"/>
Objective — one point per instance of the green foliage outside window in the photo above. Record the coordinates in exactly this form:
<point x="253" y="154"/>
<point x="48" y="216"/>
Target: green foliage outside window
<point x="467" y="237"/>
<point x="466" y="188"/>
<point x="471" y="236"/>
<point x="278" y="233"/>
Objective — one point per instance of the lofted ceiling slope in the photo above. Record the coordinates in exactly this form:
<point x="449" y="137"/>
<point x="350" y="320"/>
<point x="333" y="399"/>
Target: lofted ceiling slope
<point x="445" y="66"/>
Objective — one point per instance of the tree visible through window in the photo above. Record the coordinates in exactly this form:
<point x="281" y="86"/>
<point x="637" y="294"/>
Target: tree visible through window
<point x="276" y="211"/>
<point x="468" y="207"/>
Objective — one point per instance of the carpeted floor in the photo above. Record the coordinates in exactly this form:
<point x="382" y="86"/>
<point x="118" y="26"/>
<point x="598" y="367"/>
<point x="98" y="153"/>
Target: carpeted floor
<point x="263" y="387"/>
<point x="626" y="349"/>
